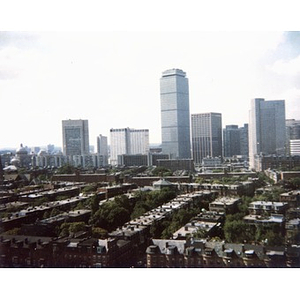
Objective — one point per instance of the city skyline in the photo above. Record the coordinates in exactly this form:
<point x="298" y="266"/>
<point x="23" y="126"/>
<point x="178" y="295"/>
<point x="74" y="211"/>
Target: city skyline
<point x="112" y="78"/>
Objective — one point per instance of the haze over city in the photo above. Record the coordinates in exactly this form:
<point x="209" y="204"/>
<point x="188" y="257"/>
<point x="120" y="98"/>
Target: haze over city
<point x="112" y="78"/>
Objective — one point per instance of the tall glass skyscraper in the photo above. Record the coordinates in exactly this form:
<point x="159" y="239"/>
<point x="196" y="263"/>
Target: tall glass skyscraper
<point x="267" y="131"/>
<point x="175" y="114"/>
<point x="75" y="137"/>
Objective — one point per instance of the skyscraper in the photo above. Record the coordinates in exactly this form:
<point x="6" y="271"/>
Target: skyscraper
<point x="75" y="137"/>
<point x="102" y="148"/>
<point x="128" y="141"/>
<point x="175" y="114"/>
<point x="231" y="141"/>
<point x="267" y="132"/>
<point x="206" y="136"/>
<point x="293" y="136"/>
<point x="235" y="140"/>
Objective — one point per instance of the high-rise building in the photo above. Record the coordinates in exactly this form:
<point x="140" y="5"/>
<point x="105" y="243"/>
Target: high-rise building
<point x="267" y="132"/>
<point x="175" y="114"/>
<point x="244" y="140"/>
<point x="235" y="140"/>
<point x="293" y="136"/>
<point x="292" y="129"/>
<point x="102" y="148"/>
<point x="128" y="141"/>
<point x="139" y="141"/>
<point x="206" y="136"/>
<point x="231" y="141"/>
<point x="75" y="137"/>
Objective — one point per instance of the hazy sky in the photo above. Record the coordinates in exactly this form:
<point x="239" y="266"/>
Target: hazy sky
<point x="112" y="78"/>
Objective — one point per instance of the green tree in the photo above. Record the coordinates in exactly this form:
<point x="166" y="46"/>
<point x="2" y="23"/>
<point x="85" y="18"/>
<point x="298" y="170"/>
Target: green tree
<point x="54" y="212"/>
<point x="94" y="202"/>
<point x="161" y="171"/>
<point x="235" y="231"/>
<point x="76" y="226"/>
<point x="90" y="188"/>
<point x="66" y="169"/>
<point x="99" y="233"/>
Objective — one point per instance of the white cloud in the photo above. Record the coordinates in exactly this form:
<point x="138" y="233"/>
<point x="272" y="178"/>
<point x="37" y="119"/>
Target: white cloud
<point x="286" y="67"/>
<point x="112" y="79"/>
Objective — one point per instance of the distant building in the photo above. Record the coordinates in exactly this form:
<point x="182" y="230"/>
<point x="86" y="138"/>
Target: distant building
<point x="206" y="136"/>
<point x="276" y="162"/>
<point x="267" y="207"/>
<point x="175" y="114"/>
<point x="163" y="183"/>
<point x="211" y="162"/>
<point x="133" y="160"/>
<point x="102" y="147"/>
<point x="291" y="197"/>
<point x="176" y="164"/>
<point x="75" y="137"/>
<point x="235" y="140"/>
<point x="293" y="136"/>
<point x="22" y="158"/>
<point x="154" y="157"/>
<point x="50" y="148"/>
<point x="199" y="253"/>
<point x="225" y="205"/>
<point x="267" y="131"/>
<point x="294" y="147"/>
<point x="128" y="141"/>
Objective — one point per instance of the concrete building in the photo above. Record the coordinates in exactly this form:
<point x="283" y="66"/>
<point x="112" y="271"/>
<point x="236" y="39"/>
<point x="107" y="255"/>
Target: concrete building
<point x="128" y="141"/>
<point x="102" y="147"/>
<point x="206" y="135"/>
<point x="130" y="160"/>
<point x="294" y="147"/>
<point x="277" y="162"/>
<point x="225" y="205"/>
<point x="175" y="114"/>
<point x="75" y="137"/>
<point x="293" y="136"/>
<point x="267" y="131"/>
<point x="176" y="164"/>
<point x="267" y="207"/>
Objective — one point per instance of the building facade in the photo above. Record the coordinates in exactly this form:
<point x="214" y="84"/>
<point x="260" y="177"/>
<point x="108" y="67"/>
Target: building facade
<point x="231" y="141"/>
<point x="128" y="141"/>
<point x="102" y="147"/>
<point x="175" y="114"/>
<point x="206" y="136"/>
<point x="235" y="140"/>
<point x="267" y="131"/>
<point x="75" y="137"/>
<point x="293" y="137"/>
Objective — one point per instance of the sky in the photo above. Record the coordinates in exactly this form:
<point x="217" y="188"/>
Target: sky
<point x="111" y="78"/>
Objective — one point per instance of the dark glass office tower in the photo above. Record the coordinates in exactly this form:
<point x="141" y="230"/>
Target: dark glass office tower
<point x="175" y="114"/>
